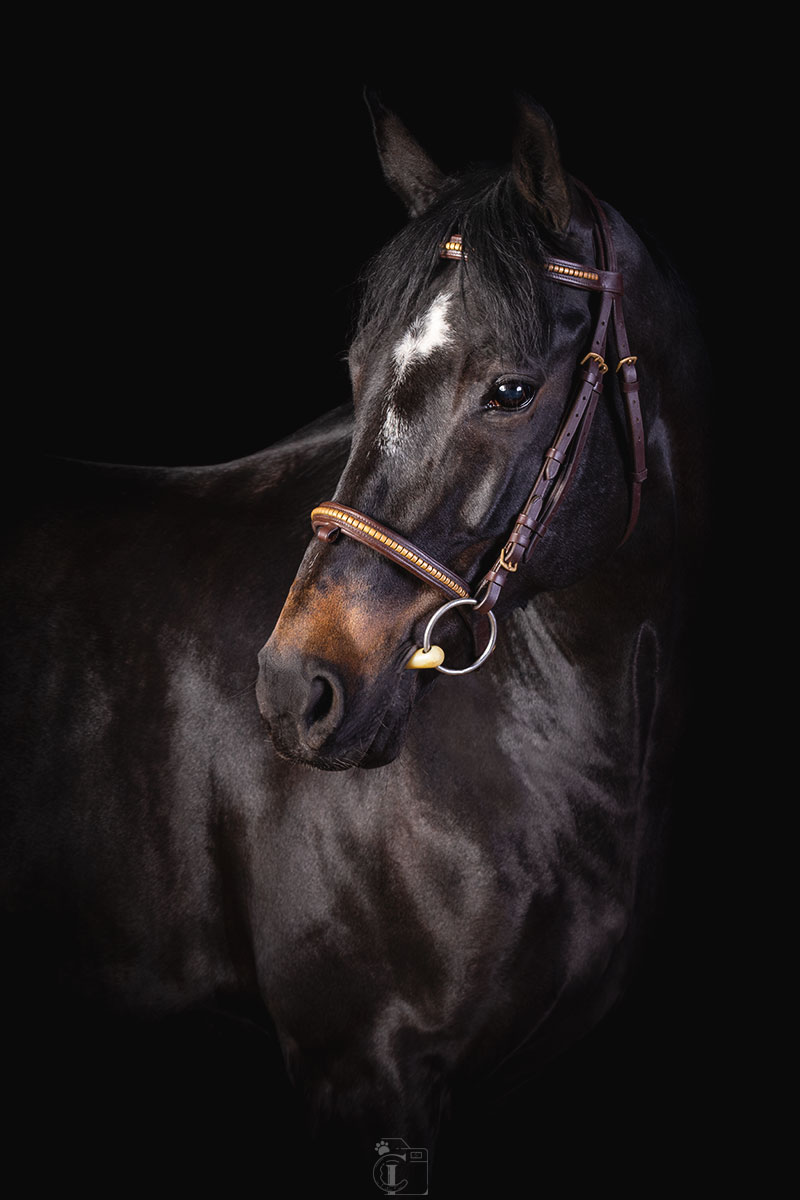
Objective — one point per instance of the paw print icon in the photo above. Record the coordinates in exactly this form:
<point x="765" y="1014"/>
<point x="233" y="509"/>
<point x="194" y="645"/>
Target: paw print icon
<point x="400" y="1168"/>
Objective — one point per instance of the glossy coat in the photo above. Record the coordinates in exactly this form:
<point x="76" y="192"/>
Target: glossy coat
<point x="422" y="889"/>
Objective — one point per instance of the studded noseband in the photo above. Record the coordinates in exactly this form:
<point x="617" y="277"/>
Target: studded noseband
<point x="557" y="471"/>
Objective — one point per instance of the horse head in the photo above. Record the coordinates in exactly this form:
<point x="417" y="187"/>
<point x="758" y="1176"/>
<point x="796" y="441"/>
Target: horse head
<point x="463" y="364"/>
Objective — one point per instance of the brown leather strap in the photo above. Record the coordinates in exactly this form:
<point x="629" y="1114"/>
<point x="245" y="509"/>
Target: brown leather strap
<point x="549" y="490"/>
<point x="330" y="518"/>
<point x="626" y="367"/>
<point x="630" y="387"/>
<point x="589" y="279"/>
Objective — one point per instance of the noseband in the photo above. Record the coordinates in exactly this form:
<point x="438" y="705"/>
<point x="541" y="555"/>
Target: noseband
<point x="557" y="471"/>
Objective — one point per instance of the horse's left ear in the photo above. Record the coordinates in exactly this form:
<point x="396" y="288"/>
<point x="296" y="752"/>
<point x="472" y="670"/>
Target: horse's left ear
<point x="536" y="166"/>
<point x="408" y="170"/>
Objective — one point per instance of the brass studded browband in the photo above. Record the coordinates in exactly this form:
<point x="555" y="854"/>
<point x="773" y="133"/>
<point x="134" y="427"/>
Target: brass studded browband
<point x="557" y="472"/>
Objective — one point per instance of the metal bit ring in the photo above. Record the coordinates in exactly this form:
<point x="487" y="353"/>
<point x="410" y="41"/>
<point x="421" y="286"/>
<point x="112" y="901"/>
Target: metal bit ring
<point x="426" y="640"/>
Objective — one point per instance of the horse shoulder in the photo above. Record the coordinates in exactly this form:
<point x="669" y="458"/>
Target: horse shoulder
<point x="134" y="602"/>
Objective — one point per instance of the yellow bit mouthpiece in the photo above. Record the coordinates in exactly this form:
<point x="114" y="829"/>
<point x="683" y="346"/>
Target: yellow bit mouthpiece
<point x="425" y="658"/>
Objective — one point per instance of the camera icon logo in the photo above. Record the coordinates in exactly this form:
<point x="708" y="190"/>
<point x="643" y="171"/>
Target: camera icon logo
<point x="400" y="1168"/>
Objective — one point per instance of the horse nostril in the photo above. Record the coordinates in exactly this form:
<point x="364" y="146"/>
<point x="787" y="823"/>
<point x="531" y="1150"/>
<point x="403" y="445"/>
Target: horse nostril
<point x="321" y="700"/>
<point x="324" y="708"/>
<point x="303" y="701"/>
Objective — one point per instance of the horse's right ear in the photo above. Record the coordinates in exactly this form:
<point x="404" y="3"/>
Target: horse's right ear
<point x="537" y="169"/>
<point x="406" y="166"/>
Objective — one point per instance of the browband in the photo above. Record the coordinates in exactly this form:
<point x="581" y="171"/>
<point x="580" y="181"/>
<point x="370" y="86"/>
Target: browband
<point x="561" y="460"/>
<point x="590" y="279"/>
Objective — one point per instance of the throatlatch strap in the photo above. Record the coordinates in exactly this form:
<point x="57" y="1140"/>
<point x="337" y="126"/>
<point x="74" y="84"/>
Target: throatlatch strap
<point x="626" y="366"/>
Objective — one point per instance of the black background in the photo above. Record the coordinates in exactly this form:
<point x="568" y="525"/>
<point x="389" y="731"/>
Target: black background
<point x="192" y="208"/>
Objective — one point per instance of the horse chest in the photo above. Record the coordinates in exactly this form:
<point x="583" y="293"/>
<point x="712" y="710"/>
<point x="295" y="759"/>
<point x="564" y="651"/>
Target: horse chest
<point x="439" y="897"/>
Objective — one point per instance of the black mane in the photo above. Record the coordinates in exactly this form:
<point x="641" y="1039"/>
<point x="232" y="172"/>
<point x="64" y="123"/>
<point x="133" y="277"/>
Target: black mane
<point x="503" y="269"/>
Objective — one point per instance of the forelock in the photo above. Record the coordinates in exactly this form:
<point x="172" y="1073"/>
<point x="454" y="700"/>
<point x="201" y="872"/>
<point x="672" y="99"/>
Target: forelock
<point x="500" y="282"/>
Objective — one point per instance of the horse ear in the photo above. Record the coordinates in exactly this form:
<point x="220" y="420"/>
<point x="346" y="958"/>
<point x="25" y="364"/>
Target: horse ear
<point x="406" y="166"/>
<point x="536" y="166"/>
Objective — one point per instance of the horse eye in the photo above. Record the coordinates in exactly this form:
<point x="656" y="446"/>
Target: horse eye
<point x="511" y="394"/>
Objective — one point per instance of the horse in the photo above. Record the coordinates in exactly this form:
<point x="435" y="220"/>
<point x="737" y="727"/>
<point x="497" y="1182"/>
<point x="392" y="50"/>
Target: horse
<point x="241" y="777"/>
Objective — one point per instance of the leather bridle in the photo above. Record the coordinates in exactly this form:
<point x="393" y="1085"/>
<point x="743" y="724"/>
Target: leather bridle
<point x="557" y="471"/>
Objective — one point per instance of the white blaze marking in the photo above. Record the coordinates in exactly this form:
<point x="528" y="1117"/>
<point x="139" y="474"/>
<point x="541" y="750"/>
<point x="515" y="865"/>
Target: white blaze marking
<point x="391" y="432"/>
<point x="426" y="334"/>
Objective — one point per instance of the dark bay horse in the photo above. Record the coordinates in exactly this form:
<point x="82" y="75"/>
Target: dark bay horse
<point x="224" y="790"/>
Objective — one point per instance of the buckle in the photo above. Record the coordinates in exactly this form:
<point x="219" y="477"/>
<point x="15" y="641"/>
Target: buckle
<point x="505" y="563"/>
<point x="598" y="358"/>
